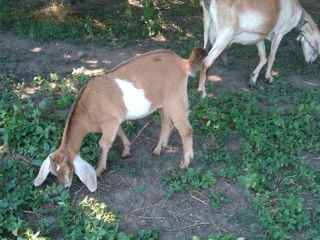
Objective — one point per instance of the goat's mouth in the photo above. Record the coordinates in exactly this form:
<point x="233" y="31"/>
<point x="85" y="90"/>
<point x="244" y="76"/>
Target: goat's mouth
<point x="67" y="185"/>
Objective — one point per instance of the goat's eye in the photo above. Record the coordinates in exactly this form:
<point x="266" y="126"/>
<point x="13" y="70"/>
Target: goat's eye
<point x="51" y="159"/>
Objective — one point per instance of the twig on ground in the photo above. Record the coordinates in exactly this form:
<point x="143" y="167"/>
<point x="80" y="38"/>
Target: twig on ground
<point x="79" y="190"/>
<point x="140" y="209"/>
<point x="18" y="156"/>
<point x="217" y="227"/>
<point x="104" y="185"/>
<point x="123" y="180"/>
<point x="186" y="227"/>
<point x="199" y="200"/>
<point x="142" y="217"/>
<point x="30" y="212"/>
<point x="76" y="195"/>
<point x="140" y="132"/>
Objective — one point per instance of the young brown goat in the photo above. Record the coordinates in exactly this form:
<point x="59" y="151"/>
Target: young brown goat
<point x="251" y="22"/>
<point x="132" y="90"/>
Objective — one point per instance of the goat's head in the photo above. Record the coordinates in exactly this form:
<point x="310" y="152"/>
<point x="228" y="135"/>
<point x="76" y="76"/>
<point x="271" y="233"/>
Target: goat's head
<point x="63" y="165"/>
<point x="310" y="41"/>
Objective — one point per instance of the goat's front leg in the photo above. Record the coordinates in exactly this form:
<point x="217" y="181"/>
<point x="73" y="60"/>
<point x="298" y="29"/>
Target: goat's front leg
<point x="274" y="47"/>
<point x="125" y="142"/>
<point x="263" y="60"/>
<point x="220" y="44"/>
<point x="166" y="127"/>
<point x="109" y="132"/>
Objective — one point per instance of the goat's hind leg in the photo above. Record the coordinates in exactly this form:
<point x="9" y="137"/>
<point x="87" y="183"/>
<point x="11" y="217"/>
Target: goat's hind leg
<point x="222" y="41"/>
<point x="179" y="115"/>
<point x="109" y="132"/>
<point x="263" y="60"/>
<point x="274" y="47"/>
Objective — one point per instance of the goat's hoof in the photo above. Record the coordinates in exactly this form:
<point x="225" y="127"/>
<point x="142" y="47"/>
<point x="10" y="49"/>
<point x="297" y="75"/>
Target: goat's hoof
<point x="269" y="80"/>
<point x="252" y="84"/>
<point x="203" y="93"/>
<point x="183" y="165"/>
<point x="99" y="171"/>
<point x="156" y="152"/>
<point x="126" y="154"/>
<point x="253" y="80"/>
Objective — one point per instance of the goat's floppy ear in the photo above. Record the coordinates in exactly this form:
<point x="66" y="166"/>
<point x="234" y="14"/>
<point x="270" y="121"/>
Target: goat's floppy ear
<point x="43" y="173"/>
<point x="86" y="173"/>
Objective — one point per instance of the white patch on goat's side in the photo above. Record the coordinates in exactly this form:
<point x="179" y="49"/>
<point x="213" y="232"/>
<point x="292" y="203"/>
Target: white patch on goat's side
<point x="247" y="38"/>
<point x="134" y="99"/>
<point x="251" y="21"/>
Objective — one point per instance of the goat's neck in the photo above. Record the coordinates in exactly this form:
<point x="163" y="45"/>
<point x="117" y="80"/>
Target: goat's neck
<point x="73" y="135"/>
<point x="308" y="19"/>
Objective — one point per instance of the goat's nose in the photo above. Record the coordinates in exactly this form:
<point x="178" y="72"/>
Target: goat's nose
<point x="67" y="185"/>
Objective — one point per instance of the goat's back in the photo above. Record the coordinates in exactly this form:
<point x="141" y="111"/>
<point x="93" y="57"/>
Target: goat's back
<point x="161" y="75"/>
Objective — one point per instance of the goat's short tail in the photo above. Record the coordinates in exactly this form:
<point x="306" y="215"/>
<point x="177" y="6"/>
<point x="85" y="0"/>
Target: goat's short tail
<point x="196" y="58"/>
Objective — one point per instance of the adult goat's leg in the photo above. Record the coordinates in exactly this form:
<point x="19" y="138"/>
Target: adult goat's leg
<point x="206" y="29"/>
<point x="274" y="47"/>
<point x="263" y="60"/>
<point x="220" y="44"/>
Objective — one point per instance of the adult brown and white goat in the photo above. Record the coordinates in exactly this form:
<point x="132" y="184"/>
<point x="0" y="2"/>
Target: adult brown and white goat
<point x="251" y="22"/>
<point x="131" y="90"/>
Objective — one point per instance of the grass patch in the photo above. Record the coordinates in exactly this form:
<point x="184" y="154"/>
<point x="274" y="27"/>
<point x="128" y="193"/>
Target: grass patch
<point x="185" y="180"/>
<point x="61" y="21"/>
<point x="51" y="210"/>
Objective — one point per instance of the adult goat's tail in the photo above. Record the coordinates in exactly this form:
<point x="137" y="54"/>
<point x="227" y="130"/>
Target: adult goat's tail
<point x="196" y="58"/>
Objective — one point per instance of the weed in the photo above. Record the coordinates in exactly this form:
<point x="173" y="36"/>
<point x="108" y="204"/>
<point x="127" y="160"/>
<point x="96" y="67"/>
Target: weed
<point x="80" y="77"/>
<point x="88" y="220"/>
<point x="134" y="172"/>
<point x="185" y="180"/>
<point x="142" y="190"/>
<point x="217" y="199"/>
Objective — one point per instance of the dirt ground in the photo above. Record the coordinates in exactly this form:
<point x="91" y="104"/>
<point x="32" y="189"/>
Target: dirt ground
<point x="180" y="217"/>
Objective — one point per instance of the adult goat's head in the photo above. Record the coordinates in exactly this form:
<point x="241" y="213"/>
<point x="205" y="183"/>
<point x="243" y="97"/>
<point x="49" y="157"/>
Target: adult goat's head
<point x="309" y="37"/>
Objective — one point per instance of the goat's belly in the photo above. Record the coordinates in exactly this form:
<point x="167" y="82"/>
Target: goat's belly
<point x="247" y="38"/>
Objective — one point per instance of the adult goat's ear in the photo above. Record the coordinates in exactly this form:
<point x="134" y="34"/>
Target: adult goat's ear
<point x="43" y="173"/>
<point x="86" y="173"/>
